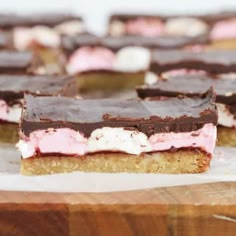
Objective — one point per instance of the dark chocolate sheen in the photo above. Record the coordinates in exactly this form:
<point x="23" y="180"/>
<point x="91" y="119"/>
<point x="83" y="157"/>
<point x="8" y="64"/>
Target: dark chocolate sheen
<point x="209" y="18"/>
<point x="15" y="62"/>
<point x="12" y="20"/>
<point x="149" y="117"/>
<point x="191" y="85"/>
<point x="14" y="86"/>
<point x="71" y="43"/>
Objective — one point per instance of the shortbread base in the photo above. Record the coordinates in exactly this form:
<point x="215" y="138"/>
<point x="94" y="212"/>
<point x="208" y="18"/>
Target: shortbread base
<point x="166" y="162"/>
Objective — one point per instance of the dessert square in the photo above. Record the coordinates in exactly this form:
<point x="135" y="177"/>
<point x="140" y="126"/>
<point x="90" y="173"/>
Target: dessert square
<point x="217" y="29"/>
<point x="42" y="34"/>
<point x="59" y="134"/>
<point x="106" y="63"/>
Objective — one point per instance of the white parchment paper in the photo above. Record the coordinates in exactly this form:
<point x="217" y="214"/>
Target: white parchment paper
<point x="223" y="168"/>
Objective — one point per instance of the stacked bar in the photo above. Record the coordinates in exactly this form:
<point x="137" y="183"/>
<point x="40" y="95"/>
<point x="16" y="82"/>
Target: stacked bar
<point x="218" y="28"/>
<point x="39" y="33"/>
<point x="12" y="90"/>
<point x="171" y="136"/>
<point x="197" y="85"/>
<point x="39" y="30"/>
<point x="106" y="63"/>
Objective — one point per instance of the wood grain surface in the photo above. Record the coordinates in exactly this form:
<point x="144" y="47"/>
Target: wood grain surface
<point x="206" y="209"/>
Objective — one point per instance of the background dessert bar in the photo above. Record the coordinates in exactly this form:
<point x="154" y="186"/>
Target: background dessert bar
<point x="218" y="28"/>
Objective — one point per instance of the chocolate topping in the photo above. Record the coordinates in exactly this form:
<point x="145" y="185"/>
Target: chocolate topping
<point x="13" y="87"/>
<point x="209" y="18"/>
<point x="15" y="62"/>
<point x="215" y="61"/>
<point x="71" y="43"/>
<point x="149" y="117"/>
<point x="11" y="20"/>
<point x="6" y="41"/>
<point x="191" y="85"/>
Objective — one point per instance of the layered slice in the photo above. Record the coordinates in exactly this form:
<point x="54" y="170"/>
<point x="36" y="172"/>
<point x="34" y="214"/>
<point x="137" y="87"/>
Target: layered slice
<point x="112" y="135"/>
<point x="104" y="63"/>
<point x="197" y="85"/>
<point x="12" y="89"/>
<point x="218" y="28"/>
<point x="42" y="34"/>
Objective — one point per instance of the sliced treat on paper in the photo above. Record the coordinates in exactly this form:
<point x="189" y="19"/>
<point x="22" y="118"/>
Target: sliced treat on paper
<point x="113" y="135"/>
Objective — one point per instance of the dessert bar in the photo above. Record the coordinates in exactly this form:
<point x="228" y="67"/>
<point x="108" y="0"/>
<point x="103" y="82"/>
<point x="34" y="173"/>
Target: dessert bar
<point x="41" y="29"/>
<point x="105" y="63"/>
<point x="42" y="34"/>
<point x="218" y="28"/>
<point x="197" y="85"/>
<point x="59" y="134"/>
<point x="12" y="89"/>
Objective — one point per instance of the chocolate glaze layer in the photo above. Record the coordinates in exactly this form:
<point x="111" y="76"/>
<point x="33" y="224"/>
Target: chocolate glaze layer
<point x="6" y="41"/>
<point x="214" y="61"/>
<point x="172" y="115"/>
<point x="13" y="62"/>
<point x="71" y="43"/>
<point x="12" y="20"/>
<point x="209" y="18"/>
<point x="191" y="85"/>
<point x="13" y="87"/>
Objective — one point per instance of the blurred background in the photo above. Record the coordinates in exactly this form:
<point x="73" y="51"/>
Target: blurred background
<point x="95" y="12"/>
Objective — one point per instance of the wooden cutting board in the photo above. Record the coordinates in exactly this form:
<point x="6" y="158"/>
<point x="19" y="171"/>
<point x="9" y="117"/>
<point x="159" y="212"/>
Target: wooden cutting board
<point x="206" y="209"/>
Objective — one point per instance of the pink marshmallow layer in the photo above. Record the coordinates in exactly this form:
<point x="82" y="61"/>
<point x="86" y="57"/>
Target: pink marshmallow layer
<point x="69" y="142"/>
<point x="224" y="30"/>
<point x="154" y="27"/>
<point x="3" y="110"/>
<point x="91" y="58"/>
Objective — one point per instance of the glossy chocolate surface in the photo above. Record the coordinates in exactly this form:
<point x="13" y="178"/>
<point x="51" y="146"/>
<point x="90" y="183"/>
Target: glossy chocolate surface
<point x="172" y="115"/>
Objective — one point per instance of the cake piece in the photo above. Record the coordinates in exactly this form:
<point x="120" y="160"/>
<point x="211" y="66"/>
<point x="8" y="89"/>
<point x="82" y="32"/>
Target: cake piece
<point x="41" y="29"/>
<point x="42" y="34"/>
<point x="182" y="62"/>
<point x="106" y="64"/>
<point x="14" y="62"/>
<point x="12" y="89"/>
<point x="197" y="85"/>
<point x="63" y="134"/>
<point x="218" y="28"/>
